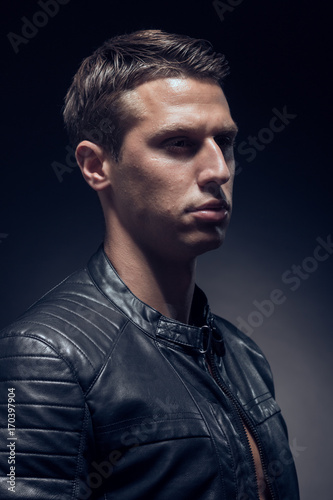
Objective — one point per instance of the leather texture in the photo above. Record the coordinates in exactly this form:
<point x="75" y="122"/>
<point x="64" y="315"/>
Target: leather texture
<point x="115" y="401"/>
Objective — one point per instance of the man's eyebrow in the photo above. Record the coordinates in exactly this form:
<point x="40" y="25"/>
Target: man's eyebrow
<point x="228" y="128"/>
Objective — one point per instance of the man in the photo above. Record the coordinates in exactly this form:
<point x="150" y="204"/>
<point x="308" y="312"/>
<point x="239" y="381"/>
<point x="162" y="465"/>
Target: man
<point x="126" y="386"/>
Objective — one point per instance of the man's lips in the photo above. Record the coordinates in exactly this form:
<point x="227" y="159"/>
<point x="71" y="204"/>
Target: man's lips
<point x="213" y="210"/>
<point x="213" y="205"/>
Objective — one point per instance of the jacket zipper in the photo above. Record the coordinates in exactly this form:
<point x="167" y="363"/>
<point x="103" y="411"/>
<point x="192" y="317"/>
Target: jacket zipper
<point x="242" y="415"/>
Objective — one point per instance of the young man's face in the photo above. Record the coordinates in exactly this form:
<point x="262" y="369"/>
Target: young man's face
<point x="172" y="187"/>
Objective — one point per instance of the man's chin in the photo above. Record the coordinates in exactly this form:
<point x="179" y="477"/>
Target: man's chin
<point x="209" y="244"/>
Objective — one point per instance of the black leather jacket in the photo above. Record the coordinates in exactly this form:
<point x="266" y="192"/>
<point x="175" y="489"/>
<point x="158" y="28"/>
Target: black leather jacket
<point x="115" y="401"/>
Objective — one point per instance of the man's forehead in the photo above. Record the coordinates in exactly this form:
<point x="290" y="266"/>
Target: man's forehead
<point x="176" y="91"/>
<point x="163" y="99"/>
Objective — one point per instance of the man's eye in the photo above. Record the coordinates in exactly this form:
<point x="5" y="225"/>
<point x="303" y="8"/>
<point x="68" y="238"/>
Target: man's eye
<point x="225" y="141"/>
<point x="179" y="143"/>
<point x="180" y="146"/>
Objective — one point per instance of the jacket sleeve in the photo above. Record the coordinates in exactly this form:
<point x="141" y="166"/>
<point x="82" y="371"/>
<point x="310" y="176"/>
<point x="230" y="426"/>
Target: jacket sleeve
<point x="45" y="425"/>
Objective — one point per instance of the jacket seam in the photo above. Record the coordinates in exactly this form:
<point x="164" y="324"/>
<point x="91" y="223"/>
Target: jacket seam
<point x="55" y="381"/>
<point x="43" y="340"/>
<point x="45" y="404"/>
<point x="39" y="356"/>
<point x="106" y="359"/>
<point x="29" y="453"/>
<point x="46" y="429"/>
<point x="91" y="299"/>
<point x="179" y="346"/>
<point x="52" y="315"/>
<point x="155" y="421"/>
<point x="144" y="417"/>
<point x="96" y="313"/>
<point x="267" y="393"/>
<point x="79" y="463"/>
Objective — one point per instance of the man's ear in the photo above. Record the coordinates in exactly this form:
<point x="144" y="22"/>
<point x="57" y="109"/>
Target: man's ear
<point x="93" y="163"/>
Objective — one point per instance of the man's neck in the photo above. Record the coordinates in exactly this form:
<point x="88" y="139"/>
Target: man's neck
<point x="168" y="287"/>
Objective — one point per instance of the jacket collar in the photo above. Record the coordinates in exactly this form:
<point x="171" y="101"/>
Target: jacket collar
<point x="107" y="280"/>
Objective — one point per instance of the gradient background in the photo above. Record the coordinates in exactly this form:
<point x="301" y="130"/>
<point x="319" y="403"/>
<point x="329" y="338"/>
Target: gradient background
<point x="280" y="55"/>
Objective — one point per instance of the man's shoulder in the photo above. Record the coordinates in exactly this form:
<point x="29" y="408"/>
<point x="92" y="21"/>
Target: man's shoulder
<point x="74" y="321"/>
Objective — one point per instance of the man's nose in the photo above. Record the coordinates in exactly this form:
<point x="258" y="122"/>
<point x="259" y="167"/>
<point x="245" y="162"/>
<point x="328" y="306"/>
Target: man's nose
<point x="212" y="166"/>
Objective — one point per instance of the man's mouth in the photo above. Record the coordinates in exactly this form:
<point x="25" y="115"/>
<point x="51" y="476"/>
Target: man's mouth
<point x="215" y="205"/>
<point x="212" y="211"/>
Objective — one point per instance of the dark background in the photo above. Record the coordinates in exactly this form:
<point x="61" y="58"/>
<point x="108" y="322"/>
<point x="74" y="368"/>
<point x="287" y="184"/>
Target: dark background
<point x="280" y="56"/>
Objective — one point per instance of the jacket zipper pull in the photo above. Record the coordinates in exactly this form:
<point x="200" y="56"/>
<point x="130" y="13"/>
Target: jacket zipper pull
<point x="206" y="334"/>
<point x="213" y="339"/>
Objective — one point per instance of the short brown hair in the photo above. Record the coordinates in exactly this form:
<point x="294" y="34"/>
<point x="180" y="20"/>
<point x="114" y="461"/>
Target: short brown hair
<point x="93" y="108"/>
